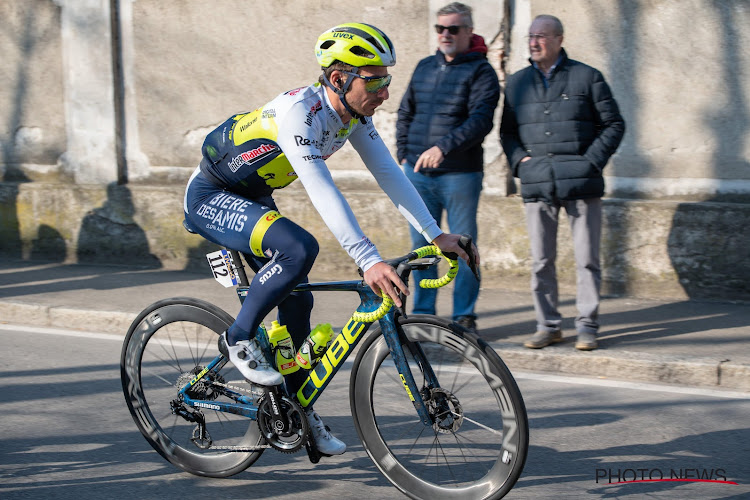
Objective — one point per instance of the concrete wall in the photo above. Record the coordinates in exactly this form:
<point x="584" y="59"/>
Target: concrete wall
<point x="99" y="92"/>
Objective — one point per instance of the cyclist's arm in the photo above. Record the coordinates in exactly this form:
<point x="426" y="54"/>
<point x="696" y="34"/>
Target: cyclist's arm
<point x="308" y="164"/>
<point x="392" y="180"/>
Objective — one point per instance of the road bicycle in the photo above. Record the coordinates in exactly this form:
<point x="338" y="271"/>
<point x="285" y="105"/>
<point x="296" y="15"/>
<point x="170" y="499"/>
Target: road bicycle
<point x="434" y="406"/>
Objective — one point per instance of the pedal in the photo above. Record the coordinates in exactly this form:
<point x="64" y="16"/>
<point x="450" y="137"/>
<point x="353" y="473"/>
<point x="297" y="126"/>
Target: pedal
<point x="313" y="453"/>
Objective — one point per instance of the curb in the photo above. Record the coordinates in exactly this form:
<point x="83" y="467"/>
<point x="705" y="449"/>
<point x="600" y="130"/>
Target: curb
<point x="645" y="367"/>
<point x="66" y="317"/>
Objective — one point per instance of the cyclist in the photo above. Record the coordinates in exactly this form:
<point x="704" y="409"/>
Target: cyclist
<point x="229" y="200"/>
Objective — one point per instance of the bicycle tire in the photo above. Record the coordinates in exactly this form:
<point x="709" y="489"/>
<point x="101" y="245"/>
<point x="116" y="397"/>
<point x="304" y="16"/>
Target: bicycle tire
<point x="483" y="457"/>
<point x="162" y="349"/>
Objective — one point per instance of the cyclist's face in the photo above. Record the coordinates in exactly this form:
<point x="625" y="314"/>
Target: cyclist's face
<point x="362" y="101"/>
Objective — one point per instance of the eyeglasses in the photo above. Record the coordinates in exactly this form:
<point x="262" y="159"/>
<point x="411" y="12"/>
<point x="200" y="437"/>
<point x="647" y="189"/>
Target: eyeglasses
<point x="532" y="36"/>
<point x="452" y="29"/>
<point x="373" y="84"/>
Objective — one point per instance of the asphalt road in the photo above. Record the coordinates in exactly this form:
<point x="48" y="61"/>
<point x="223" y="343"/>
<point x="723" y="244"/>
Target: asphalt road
<point x="66" y="433"/>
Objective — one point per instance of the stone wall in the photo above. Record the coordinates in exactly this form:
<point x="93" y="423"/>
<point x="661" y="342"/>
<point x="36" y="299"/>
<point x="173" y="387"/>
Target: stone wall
<point x="104" y="105"/>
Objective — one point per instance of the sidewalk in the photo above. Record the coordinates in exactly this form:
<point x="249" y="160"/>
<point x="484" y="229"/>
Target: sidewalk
<point x="678" y="342"/>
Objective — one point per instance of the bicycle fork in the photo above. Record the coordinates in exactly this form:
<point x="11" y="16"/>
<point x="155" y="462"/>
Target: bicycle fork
<point x="396" y="341"/>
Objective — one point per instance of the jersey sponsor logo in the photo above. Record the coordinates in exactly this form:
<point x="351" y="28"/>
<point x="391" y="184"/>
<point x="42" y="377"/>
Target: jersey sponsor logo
<point x="294" y="91"/>
<point x="272" y="216"/>
<point x="373" y="134"/>
<point x="304" y="141"/>
<point x="313" y="111"/>
<point x="230" y="202"/>
<point x="268" y="113"/>
<point x="315" y="157"/>
<point x="276" y="269"/>
<point x="245" y="126"/>
<point x="222" y="219"/>
<point x="251" y="156"/>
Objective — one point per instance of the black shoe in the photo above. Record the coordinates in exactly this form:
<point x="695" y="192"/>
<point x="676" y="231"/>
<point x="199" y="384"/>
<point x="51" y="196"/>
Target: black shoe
<point x="468" y="322"/>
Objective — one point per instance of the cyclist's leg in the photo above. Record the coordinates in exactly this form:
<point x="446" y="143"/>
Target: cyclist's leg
<point x="294" y="312"/>
<point x="424" y="298"/>
<point x="293" y="251"/>
<point x="285" y="251"/>
<point x="460" y="193"/>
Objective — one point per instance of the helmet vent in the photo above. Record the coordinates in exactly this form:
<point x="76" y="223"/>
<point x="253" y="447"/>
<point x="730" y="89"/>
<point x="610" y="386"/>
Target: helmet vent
<point x="326" y="44"/>
<point x="359" y="51"/>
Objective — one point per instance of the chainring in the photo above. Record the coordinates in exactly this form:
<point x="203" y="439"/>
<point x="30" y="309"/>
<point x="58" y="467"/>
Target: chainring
<point x="290" y="432"/>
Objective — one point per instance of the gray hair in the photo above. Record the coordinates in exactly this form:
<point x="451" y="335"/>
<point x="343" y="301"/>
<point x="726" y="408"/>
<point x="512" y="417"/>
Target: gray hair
<point x="458" y="8"/>
<point x="556" y="23"/>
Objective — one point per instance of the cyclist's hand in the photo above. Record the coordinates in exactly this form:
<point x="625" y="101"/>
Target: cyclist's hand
<point x="448" y="242"/>
<point x="383" y="277"/>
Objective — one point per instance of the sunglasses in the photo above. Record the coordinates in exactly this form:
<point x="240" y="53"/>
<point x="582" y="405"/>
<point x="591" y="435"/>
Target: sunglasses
<point x="453" y="29"/>
<point x="373" y="84"/>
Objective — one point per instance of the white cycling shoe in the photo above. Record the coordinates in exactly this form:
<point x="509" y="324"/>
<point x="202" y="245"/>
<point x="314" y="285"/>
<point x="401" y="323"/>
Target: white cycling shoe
<point x="248" y="357"/>
<point x="326" y="442"/>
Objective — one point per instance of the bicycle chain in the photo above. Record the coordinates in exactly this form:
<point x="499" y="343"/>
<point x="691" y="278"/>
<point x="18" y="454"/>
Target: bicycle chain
<point x="238" y="448"/>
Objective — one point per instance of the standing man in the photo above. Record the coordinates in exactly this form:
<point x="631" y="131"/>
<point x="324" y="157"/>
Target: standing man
<point x="560" y="125"/>
<point x="444" y="116"/>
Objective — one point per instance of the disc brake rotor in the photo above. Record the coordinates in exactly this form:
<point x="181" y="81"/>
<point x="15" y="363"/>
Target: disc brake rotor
<point x="446" y="410"/>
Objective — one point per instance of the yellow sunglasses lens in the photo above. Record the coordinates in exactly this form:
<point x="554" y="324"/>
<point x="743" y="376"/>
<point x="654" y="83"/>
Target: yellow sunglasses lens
<point x="376" y="84"/>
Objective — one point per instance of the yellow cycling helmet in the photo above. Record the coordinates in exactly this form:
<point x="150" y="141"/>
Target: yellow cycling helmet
<point x="356" y="44"/>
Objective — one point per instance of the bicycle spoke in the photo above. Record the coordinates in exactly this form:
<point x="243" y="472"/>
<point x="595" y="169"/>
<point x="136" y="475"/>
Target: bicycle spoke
<point x="157" y="357"/>
<point x="465" y="443"/>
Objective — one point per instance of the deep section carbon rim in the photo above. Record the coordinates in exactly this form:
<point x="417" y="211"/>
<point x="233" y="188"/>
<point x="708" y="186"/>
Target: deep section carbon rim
<point x="477" y="444"/>
<point x="166" y="346"/>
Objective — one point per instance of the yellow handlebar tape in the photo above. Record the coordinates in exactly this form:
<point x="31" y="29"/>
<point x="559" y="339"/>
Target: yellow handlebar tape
<point x="385" y="306"/>
<point x="437" y="283"/>
<point x="373" y="316"/>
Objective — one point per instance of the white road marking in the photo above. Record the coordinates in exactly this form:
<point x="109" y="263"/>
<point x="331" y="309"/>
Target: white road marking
<point x="637" y="386"/>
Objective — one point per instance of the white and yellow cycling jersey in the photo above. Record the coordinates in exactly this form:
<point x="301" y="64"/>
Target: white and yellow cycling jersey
<point x="253" y="154"/>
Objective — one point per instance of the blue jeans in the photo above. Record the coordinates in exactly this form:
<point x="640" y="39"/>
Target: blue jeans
<point x="458" y="195"/>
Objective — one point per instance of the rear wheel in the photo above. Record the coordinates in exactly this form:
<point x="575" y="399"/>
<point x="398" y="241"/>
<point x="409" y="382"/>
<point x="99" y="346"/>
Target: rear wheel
<point x="477" y="442"/>
<point x="166" y="346"/>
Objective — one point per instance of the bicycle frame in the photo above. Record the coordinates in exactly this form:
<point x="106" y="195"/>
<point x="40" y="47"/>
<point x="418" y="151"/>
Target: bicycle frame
<point x="334" y="357"/>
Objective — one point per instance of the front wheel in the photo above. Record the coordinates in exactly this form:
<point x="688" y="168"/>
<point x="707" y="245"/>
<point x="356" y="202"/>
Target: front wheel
<point x="477" y="442"/>
<point x="167" y="345"/>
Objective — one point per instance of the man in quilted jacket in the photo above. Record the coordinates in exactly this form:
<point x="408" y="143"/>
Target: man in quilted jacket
<point x="444" y="116"/>
<point x="560" y="125"/>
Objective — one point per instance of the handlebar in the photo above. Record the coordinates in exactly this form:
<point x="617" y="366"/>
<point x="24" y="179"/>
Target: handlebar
<point x="419" y="259"/>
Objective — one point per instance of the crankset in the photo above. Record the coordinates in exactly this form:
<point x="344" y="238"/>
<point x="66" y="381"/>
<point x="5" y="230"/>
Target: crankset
<point x="282" y="422"/>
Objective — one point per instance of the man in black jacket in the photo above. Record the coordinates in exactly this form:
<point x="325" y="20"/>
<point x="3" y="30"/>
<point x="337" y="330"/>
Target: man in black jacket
<point x="444" y="116"/>
<point x="559" y="127"/>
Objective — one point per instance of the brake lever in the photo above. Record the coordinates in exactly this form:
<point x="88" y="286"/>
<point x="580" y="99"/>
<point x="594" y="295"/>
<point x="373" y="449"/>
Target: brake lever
<point x="403" y="270"/>
<point x="465" y="243"/>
